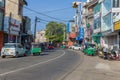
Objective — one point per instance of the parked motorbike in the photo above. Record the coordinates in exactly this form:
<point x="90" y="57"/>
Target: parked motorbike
<point x="100" y="53"/>
<point x="113" y="55"/>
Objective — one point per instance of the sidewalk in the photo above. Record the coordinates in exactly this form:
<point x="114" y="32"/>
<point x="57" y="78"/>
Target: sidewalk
<point x="95" y="68"/>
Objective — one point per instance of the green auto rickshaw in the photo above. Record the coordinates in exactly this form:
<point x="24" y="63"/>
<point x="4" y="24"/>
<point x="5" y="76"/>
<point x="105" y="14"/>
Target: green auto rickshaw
<point x="35" y="49"/>
<point x="89" y="49"/>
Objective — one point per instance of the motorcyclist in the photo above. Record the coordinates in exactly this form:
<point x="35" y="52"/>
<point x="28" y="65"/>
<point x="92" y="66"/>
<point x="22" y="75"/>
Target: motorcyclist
<point x="105" y="50"/>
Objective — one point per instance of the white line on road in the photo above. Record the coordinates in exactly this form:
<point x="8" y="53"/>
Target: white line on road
<point x="33" y="65"/>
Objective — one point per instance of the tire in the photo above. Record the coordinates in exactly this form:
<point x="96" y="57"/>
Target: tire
<point x="3" y="56"/>
<point x="34" y="54"/>
<point x="16" y="56"/>
<point x="24" y="54"/>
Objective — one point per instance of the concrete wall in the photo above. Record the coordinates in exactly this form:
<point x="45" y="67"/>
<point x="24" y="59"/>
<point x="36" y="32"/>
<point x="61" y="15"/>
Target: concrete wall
<point x="12" y="6"/>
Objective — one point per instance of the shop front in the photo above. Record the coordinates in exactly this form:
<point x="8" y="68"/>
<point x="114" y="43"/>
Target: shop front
<point x="12" y="30"/>
<point x="117" y="30"/>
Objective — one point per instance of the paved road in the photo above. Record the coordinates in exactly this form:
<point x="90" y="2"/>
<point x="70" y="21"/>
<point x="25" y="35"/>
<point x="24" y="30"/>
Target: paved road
<point x="51" y="65"/>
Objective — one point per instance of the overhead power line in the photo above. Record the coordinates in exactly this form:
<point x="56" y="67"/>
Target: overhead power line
<point x="46" y="15"/>
<point x="40" y="13"/>
<point x="56" y="10"/>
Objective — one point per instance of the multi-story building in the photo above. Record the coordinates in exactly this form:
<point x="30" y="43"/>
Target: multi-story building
<point x="13" y="20"/>
<point x="1" y="22"/>
<point x="88" y="19"/>
<point x="110" y="14"/>
<point x="40" y="37"/>
<point x="71" y="32"/>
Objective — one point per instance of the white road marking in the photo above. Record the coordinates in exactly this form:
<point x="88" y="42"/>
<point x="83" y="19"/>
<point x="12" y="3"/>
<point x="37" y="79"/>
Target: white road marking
<point x="32" y="65"/>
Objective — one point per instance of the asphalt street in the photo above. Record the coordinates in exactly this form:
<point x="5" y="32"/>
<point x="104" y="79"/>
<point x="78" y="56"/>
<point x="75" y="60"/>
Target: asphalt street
<point x="50" y="65"/>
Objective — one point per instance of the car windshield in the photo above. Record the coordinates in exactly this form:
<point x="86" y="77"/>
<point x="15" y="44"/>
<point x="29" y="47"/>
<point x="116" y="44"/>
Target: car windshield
<point x="91" y="45"/>
<point x="34" y="45"/>
<point x="76" y="45"/>
<point x="9" y="46"/>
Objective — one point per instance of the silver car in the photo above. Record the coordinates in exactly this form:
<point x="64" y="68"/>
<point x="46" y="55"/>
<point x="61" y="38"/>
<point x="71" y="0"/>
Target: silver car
<point x="12" y="49"/>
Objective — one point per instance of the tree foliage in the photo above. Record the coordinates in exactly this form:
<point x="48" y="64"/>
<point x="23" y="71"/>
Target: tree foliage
<point x="55" y="31"/>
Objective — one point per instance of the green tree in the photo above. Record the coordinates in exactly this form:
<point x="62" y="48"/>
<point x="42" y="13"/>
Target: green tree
<point x="55" y="31"/>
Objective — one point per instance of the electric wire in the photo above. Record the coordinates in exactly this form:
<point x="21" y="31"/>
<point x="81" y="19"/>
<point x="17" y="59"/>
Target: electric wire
<point x="56" y="10"/>
<point x="40" y="13"/>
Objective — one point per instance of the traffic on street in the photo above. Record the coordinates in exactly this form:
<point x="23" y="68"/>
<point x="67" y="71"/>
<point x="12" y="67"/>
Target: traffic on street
<point x="59" y="40"/>
<point x="50" y="65"/>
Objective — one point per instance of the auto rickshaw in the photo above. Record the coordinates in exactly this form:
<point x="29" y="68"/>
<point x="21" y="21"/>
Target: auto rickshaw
<point x="35" y="49"/>
<point x="89" y="49"/>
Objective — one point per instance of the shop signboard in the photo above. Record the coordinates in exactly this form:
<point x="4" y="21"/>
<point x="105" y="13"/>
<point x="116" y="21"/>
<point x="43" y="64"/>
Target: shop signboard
<point x="81" y="33"/>
<point x="72" y="35"/>
<point x="117" y="25"/>
<point x="68" y="28"/>
<point x="14" y="26"/>
<point x="116" y="10"/>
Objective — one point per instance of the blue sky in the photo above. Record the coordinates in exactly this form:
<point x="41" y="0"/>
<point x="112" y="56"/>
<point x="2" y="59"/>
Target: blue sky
<point x="60" y="9"/>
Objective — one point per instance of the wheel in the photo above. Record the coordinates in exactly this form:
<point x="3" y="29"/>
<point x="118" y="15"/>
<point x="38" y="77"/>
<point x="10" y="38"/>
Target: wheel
<point x="16" y="56"/>
<point x="3" y="56"/>
<point x="93" y="54"/>
<point x="39" y="53"/>
<point x="24" y="54"/>
<point x="34" y="54"/>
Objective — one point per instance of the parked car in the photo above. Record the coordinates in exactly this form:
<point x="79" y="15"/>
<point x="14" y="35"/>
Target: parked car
<point x="35" y="49"/>
<point x="70" y="47"/>
<point x="12" y="49"/>
<point x="76" y="47"/>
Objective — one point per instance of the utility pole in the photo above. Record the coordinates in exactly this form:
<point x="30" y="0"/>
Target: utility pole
<point x="10" y="15"/>
<point x="64" y="33"/>
<point x="35" y="28"/>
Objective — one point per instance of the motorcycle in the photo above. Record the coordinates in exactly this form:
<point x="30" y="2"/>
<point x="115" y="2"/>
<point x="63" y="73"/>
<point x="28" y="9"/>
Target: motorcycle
<point x="113" y="55"/>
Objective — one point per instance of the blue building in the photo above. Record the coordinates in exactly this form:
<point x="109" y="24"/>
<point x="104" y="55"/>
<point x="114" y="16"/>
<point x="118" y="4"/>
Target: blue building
<point x="105" y="19"/>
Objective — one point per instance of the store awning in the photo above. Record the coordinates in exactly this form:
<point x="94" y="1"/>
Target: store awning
<point x="96" y="37"/>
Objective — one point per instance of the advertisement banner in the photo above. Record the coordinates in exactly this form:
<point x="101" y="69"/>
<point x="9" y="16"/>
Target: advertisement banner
<point x="81" y="33"/>
<point x="68" y="28"/>
<point x="14" y="26"/>
<point x="72" y="35"/>
<point x="117" y="25"/>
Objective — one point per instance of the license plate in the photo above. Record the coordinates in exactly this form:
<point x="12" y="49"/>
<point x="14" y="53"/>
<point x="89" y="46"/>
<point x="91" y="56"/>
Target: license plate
<point x="7" y="50"/>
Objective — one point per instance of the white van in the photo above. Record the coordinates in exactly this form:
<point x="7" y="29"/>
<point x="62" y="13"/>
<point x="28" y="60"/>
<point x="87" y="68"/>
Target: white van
<point x="12" y="49"/>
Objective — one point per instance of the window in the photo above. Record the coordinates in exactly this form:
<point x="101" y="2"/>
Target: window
<point x="1" y="20"/>
<point x="1" y="3"/>
<point x="116" y="3"/>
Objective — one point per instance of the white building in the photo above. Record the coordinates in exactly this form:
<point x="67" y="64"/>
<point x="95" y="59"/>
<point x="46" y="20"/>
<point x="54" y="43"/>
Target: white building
<point x="40" y="37"/>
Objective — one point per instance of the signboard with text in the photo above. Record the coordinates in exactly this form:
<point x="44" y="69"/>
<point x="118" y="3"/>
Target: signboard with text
<point x="117" y="25"/>
<point x="14" y="26"/>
